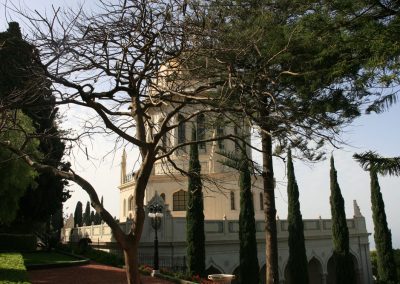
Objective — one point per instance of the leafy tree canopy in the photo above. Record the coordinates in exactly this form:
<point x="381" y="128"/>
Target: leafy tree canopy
<point x="15" y="175"/>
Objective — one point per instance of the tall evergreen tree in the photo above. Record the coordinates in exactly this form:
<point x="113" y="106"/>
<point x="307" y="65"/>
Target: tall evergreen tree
<point x="19" y="74"/>
<point x="92" y="218"/>
<point x="344" y="267"/>
<point x="297" y="263"/>
<point x="86" y="215"/>
<point x="383" y="238"/>
<point x="78" y="214"/>
<point x="249" y="268"/>
<point x="97" y="218"/>
<point x="195" y="235"/>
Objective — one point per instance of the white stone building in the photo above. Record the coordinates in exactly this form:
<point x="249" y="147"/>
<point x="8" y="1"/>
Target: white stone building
<point x="221" y="209"/>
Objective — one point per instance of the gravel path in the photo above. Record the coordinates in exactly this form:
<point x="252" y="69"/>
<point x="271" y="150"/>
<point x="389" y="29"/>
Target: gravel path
<point x="92" y="273"/>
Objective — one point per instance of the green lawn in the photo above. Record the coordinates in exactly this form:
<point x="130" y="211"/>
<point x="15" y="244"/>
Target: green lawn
<point x="46" y="258"/>
<point x="12" y="269"/>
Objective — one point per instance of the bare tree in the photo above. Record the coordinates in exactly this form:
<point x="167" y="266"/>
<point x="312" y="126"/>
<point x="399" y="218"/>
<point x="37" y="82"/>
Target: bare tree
<point x="126" y="62"/>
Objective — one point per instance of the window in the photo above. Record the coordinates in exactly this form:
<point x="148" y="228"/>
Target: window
<point x="179" y="200"/>
<point x="261" y="201"/>
<point x="124" y="205"/>
<point x="233" y="201"/>
<point x="181" y="130"/>
<point x="201" y="130"/>
<point x="130" y="203"/>
<point x="162" y="195"/>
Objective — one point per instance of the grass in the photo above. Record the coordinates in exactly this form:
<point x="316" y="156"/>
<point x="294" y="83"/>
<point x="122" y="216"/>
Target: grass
<point x="36" y="258"/>
<point x="12" y="269"/>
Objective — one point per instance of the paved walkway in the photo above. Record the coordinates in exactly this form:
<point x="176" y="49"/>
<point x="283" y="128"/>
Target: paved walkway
<point x="92" y="273"/>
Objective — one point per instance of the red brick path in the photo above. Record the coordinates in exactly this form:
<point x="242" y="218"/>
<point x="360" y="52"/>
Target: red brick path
<point x="86" y="274"/>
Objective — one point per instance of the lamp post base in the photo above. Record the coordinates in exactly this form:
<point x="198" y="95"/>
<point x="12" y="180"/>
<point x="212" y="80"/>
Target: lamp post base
<point x="155" y="273"/>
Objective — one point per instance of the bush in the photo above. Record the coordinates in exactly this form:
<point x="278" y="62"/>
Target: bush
<point x="96" y="255"/>
<point x="17" y="242"/>
<point x="12" y="269"/>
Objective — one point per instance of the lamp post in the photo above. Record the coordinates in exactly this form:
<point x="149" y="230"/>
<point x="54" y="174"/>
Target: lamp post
<point x="155" y="215"/>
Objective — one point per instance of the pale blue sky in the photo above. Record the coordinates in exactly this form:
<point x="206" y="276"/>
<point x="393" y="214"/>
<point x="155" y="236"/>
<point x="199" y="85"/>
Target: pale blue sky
<point x="372" y="132"/>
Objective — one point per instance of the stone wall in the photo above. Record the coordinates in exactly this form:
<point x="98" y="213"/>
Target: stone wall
<point x="222" y="243"/>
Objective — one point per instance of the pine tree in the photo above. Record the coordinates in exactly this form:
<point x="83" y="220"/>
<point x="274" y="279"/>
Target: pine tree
<point x="97" y="218"/>
<point x="86" y="215"/>
<point x="344" y="267"/>
<point x="383" y="238"/>
<point x="297" y="263"/>
<point x="195" y="236"/>
<point x="78" y="214"/>
<point x="249" y="268"/>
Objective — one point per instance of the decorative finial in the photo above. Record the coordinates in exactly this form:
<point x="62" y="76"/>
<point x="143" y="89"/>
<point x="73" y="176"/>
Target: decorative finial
<point x="357" y="212"/>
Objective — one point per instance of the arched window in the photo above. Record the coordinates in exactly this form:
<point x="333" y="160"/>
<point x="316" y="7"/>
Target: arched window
<point x="124" y="205"/>
<point x="261" y="201"/>
<point x="130" y="203"/>
<point x="162" y="195"/>
<point x="233" y="201"/>
<point x="179" y="200"/>
<point x="201" y="130"/>
<point x="181" y="130"/>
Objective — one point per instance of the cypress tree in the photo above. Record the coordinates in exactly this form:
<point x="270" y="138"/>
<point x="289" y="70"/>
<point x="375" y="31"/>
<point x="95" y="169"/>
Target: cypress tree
<point x="383" y="238"/>
<point x="340" y="233"/>
<point x="92" y="218"/>
<point x="249" y="268"/>
<point x="86" y="215"/>
<point x="297" y="263"/>
<point x="97" y="218"/>
<point x="78" y="214"/>
<point x="195" y="236"/>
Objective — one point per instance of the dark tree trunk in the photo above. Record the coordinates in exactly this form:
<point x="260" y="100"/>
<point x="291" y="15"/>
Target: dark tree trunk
<point x="271" y="242"/>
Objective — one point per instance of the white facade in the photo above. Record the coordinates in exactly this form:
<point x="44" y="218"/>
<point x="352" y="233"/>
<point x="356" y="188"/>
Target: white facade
<point x="221" y="209"/>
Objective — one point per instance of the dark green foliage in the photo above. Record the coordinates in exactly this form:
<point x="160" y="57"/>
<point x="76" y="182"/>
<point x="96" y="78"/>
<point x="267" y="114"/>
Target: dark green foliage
<point x="249" y="267"/>
<point x="340" y="233"/>
<point x="86" y="218"/>
<point x="195" y="235"/>
<point x="21" y="87"/>
<point x="297" y="263"/>
<point x="382" y="235"/>
<point x="57" y="223"/>
<point x="78" y="214"/>
<point x="15" y="175"/>
<point x="372" y="161"/>
<point x="17" y="242"/>
<point x="92" y="218"/>
<point x="97" y="217"/>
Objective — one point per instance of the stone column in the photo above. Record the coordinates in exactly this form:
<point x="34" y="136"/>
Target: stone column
<point x="324" y="278"/>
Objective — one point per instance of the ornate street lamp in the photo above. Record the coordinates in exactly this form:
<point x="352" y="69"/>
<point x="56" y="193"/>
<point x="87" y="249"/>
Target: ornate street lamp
<point x="155" y="215"/>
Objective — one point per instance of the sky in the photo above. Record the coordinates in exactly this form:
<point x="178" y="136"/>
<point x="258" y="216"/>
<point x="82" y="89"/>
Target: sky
<point x="380" y="133"/>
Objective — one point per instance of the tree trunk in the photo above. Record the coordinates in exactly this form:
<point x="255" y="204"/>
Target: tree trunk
<point x="132" y="263"/>
<point x="271" y="240"/>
